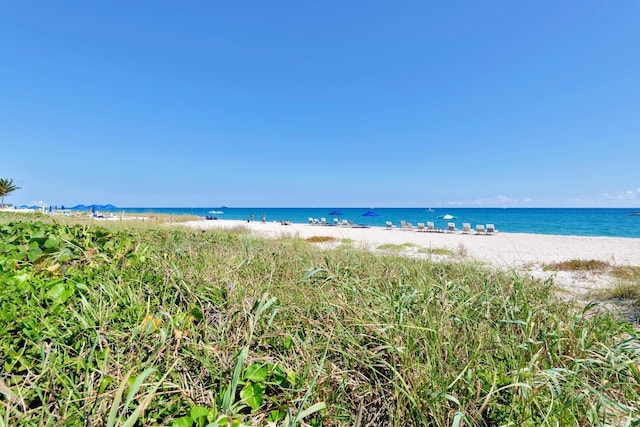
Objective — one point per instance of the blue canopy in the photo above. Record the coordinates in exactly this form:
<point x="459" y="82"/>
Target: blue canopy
<point x="336" y="212"/>
<point x="370" y="213"/>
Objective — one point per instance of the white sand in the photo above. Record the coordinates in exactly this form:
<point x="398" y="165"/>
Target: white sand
<point x="519" y="251"/>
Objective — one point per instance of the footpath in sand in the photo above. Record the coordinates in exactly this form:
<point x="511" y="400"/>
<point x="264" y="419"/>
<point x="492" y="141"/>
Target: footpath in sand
<point x="528" y="253"/>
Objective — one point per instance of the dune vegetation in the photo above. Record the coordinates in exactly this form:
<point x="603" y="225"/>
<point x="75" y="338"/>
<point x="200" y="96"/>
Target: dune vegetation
<point x="131" y="325"/>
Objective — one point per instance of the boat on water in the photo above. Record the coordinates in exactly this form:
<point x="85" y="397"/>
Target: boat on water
<point x="430" y="210"/>
<point x="633" y="214"/>
<point x="216" y="212"/>
<point x="446" y="216"/>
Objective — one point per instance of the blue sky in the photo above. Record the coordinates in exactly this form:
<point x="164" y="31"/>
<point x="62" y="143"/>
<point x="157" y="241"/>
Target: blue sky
<point x="313" y="104"/>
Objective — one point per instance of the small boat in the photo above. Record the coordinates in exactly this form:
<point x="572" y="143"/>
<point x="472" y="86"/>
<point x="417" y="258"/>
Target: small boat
<point x="447" y="216"/>
<point x="633" y="214"/>
<point x="216" y="212"/>
<point x="430" y="210"/>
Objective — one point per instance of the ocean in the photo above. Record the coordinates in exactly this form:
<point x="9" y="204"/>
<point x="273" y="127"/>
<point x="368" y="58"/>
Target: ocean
<point x="564" y="221"/>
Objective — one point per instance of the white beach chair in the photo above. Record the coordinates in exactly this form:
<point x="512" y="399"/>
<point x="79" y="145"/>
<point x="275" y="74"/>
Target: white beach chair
<point x="323" y="221"/>
<point x="466" y="228"/>
<point x="336" y="221"/>
<point x="491" y="229"/>
<point x="389" y="225"/>
<point x="431" y="226"/>
<point x="451" y="227"/>
<point x="480" y="229"/>
<point x="403" y="224"/>
<point x="421" y="227"/>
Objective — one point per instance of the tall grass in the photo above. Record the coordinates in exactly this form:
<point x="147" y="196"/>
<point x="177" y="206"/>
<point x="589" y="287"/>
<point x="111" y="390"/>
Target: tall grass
<point x="161" y="326"/>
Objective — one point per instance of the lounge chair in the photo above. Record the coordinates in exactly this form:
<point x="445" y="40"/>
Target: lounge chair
<point x="421" y="227"/>
<point x="466" y="228"/>
<point x="409" y="226"/>
<point x="323" y="221"/>
<point x="389" y="225"/>
<point x="336" y="221"/>
<point x="451" y="227"/>
<point x="310" y="220"/>
<point x="403" y="224"/>
<point x="345" y="223"/>
<point x="480" y="229"/>
<point x="431" y="226"/>
<point x="491" y="229"/>
<point x="356" y="225"/>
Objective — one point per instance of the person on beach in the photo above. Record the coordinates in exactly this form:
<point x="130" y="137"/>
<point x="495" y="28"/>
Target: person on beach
<point x="251" y="217"/>
<point x="264" y="218"/>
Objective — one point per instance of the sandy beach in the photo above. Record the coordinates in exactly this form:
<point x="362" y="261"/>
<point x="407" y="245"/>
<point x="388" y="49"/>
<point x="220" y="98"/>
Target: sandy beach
<point x="522" y="252"/>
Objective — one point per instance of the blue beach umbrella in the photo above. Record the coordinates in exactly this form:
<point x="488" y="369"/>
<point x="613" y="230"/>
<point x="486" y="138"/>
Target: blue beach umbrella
<point x="335" y="214"/>
<point x="370" y="214"/>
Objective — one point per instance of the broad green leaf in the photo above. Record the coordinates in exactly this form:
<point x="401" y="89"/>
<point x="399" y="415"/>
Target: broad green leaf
<point x="253" y="394"/>
<point x="56" y="291"/>
<point x="276" y="415"/>
<point x="51" y="243"/>
<point x="198" y="412"/>
<point x="256" y="373"/>
<point x="182" y="422"/>
<point x="34" y="253"/>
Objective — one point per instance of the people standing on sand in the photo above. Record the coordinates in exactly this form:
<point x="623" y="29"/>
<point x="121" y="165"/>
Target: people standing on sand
<point x="264" y="218"/>
<point x="251" y="217"/>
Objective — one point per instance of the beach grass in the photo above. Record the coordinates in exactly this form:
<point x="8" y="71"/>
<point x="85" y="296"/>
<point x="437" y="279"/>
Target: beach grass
<point x="167" y="326"/>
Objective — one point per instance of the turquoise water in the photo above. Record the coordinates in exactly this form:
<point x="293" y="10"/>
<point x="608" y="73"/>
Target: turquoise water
<point x="563" y="221"/>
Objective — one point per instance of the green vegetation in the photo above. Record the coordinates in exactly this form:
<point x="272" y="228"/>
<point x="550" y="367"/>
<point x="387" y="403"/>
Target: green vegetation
<point x="626" y="286"/>
<point x="431" y="251"/>
<point x="580" y="265"/>
<point x="395" y="247"/>
<point x="322" y="239"/>
<point x="167" y="326"/>
<point x="6" y="187"/>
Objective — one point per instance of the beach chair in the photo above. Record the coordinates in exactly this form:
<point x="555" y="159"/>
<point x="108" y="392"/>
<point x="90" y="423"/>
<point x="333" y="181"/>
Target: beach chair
<point x="345" y="223"/>
<point x="310" y="220"/>
<point x="336" y="221"/>
<point x="403" y="224"/>
<point x="466" y="228"/>
<point x="421" y="227"/>
<point x="451" y="227"/>
<point x="431" y="226"/>
<point x="389" y="225"/>
<point x="323" y="221"/>
<point x="410" y="226"/>
<point x="491" y="229"/>
<point x="480" y="229"/>
<point x="316" y="221"/>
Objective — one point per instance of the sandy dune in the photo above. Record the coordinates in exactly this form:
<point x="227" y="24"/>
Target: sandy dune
<point x="522" y="252"/>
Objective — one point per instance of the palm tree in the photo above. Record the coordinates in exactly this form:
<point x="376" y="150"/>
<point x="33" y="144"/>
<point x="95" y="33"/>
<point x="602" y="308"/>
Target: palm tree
<point x="6" y="186"/>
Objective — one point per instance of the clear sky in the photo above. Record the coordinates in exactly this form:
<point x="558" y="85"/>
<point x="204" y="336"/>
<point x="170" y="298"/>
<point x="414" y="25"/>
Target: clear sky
<point x="321" y="103"/>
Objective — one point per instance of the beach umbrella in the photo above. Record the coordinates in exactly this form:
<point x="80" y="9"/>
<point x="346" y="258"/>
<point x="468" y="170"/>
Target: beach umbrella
<point x="335" y="214"/>
<point x="370" y="214"/>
